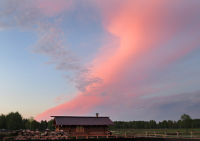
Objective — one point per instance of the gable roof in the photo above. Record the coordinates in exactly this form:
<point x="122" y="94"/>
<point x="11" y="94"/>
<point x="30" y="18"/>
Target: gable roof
<point x="77" y="120"/>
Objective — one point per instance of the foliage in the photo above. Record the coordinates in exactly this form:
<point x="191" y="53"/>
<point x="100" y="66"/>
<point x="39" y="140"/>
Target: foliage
<point x="186" y="120"/>
<point x="50" y="124"/>
<point x="13" y="121"/>
<point x="43" y="125"/>
<point x="24" y="121"/>
<point x="34" y="125"/>
<point x="2" y="121"/>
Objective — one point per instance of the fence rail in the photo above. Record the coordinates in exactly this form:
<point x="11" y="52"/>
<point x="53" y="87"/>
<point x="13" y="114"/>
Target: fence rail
<point x="133" y="134"/>
<point x="154" y="134"/>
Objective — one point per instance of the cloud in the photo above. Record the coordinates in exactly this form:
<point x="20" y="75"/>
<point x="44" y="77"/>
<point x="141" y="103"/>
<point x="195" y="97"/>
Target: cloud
<point x="152" y="39"/>
<point x="147" y="41"/>
<point x="68" y="108"/>
<point x="34" y="16"/>
<point x="52" y="44"/>
<point x="18" y="14"/>
<point x="173" y="106"/>
<point x="25" y="14"/>
<point x="83" y="82"/>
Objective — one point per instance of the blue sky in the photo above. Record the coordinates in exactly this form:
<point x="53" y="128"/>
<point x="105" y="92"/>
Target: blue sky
<point x="130" y="60"/>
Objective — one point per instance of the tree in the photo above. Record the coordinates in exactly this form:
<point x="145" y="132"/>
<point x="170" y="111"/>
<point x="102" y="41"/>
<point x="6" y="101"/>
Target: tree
<point x="175" y="124"/>
<point x="170" y="123"/>
<point x="43" y="125"/>
<point x="2" y="121"/>
<point x="13" y="121"/>
<point x="152" y="124"/>
<point x="179" y="124"/>
<point x="50" y="124"/>
<point x="194" y="124"/>
<point x="186" y="120"/>
<point x="145" y="126"/>
<point x="24" y="121"/>
<point x="34" y="125"/>
<point x="28" y="123"/>
<point x="165" y="124"/>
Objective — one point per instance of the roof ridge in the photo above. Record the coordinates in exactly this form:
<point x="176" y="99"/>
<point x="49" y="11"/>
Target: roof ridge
<point x="80" y="116"/>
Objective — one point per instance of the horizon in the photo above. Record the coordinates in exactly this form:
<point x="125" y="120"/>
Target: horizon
<point x="52" y="117"/>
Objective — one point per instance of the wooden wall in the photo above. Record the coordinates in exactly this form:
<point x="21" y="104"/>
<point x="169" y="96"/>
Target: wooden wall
<point x="88" y="130"/>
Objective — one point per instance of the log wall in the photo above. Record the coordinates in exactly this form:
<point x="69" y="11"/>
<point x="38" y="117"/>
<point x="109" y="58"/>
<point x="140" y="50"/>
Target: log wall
<point x="88" y="130"/>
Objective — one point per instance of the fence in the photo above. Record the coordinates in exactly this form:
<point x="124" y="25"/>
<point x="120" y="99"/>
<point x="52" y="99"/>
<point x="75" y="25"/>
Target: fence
<point x="136" y="134"/>
<point x="154" y="134"/>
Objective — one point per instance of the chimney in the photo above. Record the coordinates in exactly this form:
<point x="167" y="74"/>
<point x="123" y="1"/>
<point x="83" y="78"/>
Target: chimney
<point x="97" y="114"/>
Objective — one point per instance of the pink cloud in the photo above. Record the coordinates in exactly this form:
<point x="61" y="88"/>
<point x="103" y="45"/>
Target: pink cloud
<point x="146" y="39"/>
<point x="78" y="106"/>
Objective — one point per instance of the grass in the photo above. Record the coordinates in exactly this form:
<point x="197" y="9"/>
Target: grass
<point x="158" y="131"/>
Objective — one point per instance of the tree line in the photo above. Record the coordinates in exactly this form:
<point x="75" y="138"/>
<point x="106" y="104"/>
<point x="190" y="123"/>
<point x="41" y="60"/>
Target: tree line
<point x="14" y="121"/>
<point x="184" y="122"/>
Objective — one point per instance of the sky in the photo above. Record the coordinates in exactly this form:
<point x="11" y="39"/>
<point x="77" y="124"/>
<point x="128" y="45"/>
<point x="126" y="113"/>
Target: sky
<point x="128" y="60"/>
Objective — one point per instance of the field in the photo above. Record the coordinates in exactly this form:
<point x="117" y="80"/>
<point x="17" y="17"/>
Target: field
<point x="160" y="130"/>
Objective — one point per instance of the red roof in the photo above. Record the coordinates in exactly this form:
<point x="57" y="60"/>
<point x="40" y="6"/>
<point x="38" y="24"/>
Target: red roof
<point x="77" y="120"/>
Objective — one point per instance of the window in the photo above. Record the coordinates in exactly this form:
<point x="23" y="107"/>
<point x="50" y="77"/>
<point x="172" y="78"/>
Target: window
<point x="79" y="129"/>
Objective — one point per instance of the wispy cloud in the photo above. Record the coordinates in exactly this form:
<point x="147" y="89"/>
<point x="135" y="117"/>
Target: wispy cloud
<point x="29" y="15"/>
<point x="26" y="13"/>
<point x="52" y="44"/>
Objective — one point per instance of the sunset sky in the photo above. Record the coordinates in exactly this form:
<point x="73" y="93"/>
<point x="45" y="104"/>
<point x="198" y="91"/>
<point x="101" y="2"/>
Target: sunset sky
<point x="126" y="59"/>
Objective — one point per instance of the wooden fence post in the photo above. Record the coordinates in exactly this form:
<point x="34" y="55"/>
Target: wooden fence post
<point x="155" y="133"/>
<point x="177" y="133"/>
<point x="146" y="134"/>
<point x="165" y="134"/>
<point x="192" y="135"/>
<point x="131" y="133"/>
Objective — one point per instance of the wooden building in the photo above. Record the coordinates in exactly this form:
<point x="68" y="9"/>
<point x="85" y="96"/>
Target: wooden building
<point x="77" y="125"/>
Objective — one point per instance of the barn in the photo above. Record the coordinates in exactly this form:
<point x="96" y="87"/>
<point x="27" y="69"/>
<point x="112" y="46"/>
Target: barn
<point x="82" y="125"/>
